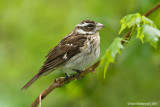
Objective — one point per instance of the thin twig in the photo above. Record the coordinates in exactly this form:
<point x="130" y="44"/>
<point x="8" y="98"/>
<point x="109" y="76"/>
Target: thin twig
<point x="60" y="81"/>
<point x="152" y="9"/>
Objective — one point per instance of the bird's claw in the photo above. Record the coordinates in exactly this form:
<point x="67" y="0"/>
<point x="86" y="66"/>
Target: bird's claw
<point x="67" y="77"/>
<point x="78" y="72"/>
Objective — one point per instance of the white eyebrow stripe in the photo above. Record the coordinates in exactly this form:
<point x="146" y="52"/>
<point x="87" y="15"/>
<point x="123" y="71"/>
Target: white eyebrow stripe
<point x="80" y="31"/>
<point x="84" y="24"/>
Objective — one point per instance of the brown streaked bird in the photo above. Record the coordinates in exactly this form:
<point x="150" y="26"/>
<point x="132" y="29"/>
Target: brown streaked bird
<point x="75" y="52"/>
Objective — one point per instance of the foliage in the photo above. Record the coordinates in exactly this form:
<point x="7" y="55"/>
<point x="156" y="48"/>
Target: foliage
<point x="149" y="33"/>
<point x="111" y="53"/>
<point x="129" y="21"/>
<point x="146" y="31"/>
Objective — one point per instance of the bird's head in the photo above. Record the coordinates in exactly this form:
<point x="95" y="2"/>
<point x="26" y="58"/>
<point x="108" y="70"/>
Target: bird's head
<point x="88" y="27"/>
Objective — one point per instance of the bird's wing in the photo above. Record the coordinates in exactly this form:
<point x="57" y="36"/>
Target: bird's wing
<point x="66" y="49"/>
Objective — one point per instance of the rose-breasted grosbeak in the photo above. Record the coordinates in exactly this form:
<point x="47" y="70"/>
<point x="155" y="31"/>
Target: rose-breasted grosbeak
<point x="75" y="52"/>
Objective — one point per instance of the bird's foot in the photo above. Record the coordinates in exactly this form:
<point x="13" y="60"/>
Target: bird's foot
<point x="67" y="77"/>
<point x="78" y="72"/>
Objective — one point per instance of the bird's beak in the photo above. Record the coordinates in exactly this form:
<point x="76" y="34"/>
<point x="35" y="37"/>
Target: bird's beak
<point x="99" y="26"/>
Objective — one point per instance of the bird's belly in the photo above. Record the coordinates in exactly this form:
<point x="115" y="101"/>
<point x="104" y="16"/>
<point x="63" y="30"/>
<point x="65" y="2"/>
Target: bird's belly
<point x="82" y="60"/>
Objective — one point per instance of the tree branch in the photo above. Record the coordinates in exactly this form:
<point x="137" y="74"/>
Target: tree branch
<point x="60" y="81"/>
<point x="152" y="9"/>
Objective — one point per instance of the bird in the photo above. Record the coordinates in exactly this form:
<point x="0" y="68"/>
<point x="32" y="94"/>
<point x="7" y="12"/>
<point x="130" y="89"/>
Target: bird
<point x="74" y="53"/>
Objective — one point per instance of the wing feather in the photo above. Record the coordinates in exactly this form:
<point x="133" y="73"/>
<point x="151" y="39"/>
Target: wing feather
<point x="70" y="46"/>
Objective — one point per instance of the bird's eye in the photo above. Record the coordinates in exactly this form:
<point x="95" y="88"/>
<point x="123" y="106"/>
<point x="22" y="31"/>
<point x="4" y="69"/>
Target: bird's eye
<point x="90" y="25"/>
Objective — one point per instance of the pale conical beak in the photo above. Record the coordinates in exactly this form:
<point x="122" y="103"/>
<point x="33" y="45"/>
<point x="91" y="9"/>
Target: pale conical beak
<point x="99" y="26"/>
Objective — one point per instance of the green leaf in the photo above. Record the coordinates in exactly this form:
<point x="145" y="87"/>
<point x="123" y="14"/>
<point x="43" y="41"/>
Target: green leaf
<point x="135" y="20"/>
<point x="115" y="46"/>
<point x="145" y="20"/>
<point x="140" y="35"/>
<point x="130" y="20"/>
<point x="149" y="34"/>
<point x="111" y="53"/>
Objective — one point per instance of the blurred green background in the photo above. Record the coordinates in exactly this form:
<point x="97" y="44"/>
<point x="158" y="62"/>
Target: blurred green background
<point x="30" y="28"/>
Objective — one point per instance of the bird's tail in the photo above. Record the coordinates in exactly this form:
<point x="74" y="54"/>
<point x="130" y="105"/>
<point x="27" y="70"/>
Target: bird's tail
<point x="31" y="81"/>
